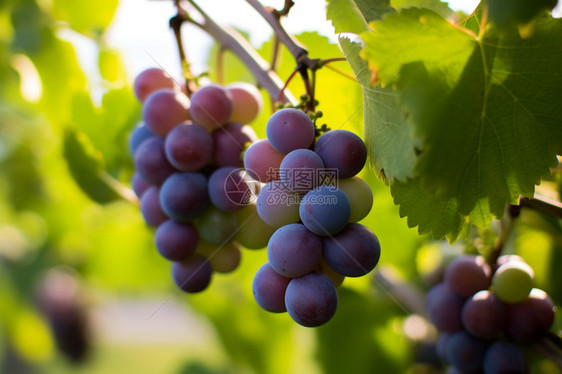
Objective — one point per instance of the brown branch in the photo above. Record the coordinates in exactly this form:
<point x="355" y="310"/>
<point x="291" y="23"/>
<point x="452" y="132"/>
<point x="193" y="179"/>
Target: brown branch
<point x="298" y="51"/>
<point x="175" y="24"/>
<point x="543" y="204"/>
<point x="230" y="39"/>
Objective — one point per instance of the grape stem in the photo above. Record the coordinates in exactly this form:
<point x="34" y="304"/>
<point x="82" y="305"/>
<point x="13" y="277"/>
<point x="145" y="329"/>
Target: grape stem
<point x="403" y="294"/>
<point x="175" y="24"/>
<point x="230" y="39"/>
<point x="543" y="204"/>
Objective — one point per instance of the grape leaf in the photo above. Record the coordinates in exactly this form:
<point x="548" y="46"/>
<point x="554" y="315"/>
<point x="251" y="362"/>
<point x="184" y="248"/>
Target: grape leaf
<point x="488" y="109"/>
<point x="354" y="15"/>
<point x="429" y="212"/>
<point x="506" y="12"/>
<point x="436" y="5"/>
<point x="86" y="167"/>
<point x="86" y="17"/>
<point x="388" y="136"/>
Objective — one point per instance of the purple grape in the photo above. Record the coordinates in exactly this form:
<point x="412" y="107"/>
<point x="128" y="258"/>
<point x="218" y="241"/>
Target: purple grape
<point x="139" y="135"/>
<point x="139" y="185"/>
<point x="293" y="251"/>
<point x="444" y="308"/>
<point x="192" y="275"/>
<point x="229" y="142"/>
<point x="184" y="196"/>
<point x="504" y="358"/>
<point x="247" y="102"/>
<point x="150" y="80"/>
<point x="277" y="206"/>
<point x="483" y="315"/>
<point x="151" y="209"/>
<point x="269" y="289"/>
<point x="151" y="162"/>
<point x="311" y="300"/>
<point x="300" y="170"/>
<point x="164" y="109"/>
<point x="289" y="129"/>
<point x="532" y="318"/>
<point x="231" y="189"/>
<point x="176" y="241"/>
<point x="262" y="161"/>
<point x="189" y="147"/>
<point x="342" y="150"/>
<point x="467" y="274"/>
<point x="441" y="345"/>
<point x="353" y="252"/>
<point x="325" y="210"/>
<point x="464" y="351"/>
<point x="211" y="106"/>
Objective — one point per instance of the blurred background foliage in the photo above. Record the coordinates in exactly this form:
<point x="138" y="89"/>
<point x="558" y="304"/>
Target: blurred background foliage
<point x="82" y="288"/>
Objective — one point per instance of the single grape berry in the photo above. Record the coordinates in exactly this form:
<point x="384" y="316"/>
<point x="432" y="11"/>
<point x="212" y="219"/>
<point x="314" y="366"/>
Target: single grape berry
<point x="325" y="210"/>
<point x="353" y="252"/>
<point x="176" y="241"/>
<point x="483" y="315"/>
<point x="164" y="109"/>
<point x="184" y="196"/>
<point x="192" y="275"/>
<point x="211" y="106"/>
<point x="269" y="289"/>
<point x="513" y="281"/>
<point x="247" y="102"/>
<point x="467" y="274"/>
<point x="504" y="357"/>
<point x="342" y="150"/>
<point x="262" y="161"/>
<point x="289" y="129"/>
<point x="531" y="318"/>
<point x="150" y="80"/>
<point x="189" y="147"/>
<point x="293" y="251"/>
<point x="311" y="300"/>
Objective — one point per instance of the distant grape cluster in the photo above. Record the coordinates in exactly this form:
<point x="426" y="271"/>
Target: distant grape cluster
<point x="484" y="318"/>
<point x="313" y="198"/>
<point x="188" y="160"/>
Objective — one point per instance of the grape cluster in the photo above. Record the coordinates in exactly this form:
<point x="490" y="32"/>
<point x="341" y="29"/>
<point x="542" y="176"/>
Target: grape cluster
<point x="313" y="198"/>
<point x="188" y="176"/>
<point x="483" y="319"/>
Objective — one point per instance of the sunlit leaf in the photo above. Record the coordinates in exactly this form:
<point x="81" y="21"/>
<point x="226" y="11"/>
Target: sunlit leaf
<point x="86" y="166"/>
<point x="488" y="110"/>
<point x="88" y="17"/>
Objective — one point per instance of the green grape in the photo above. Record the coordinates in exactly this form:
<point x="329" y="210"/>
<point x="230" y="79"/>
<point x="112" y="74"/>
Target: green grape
<point x="253" y="232"/>
<point x="513" y="281"/>
<point x="360" y="196"/>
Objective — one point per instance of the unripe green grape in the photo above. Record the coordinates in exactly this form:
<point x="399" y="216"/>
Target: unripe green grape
<point x="253" y="232"/>
<point x="360" y="197"/>
<point x="513" y="281"/>
<point x="223" y="259"/>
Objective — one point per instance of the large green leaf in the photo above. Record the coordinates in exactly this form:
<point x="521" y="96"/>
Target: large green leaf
<point x="488" y="110"/>
<point x="505" y="12"/>
<point x="354" y="15"/>
<point x="389" y="138"/>
<point x="88" y="17"/>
